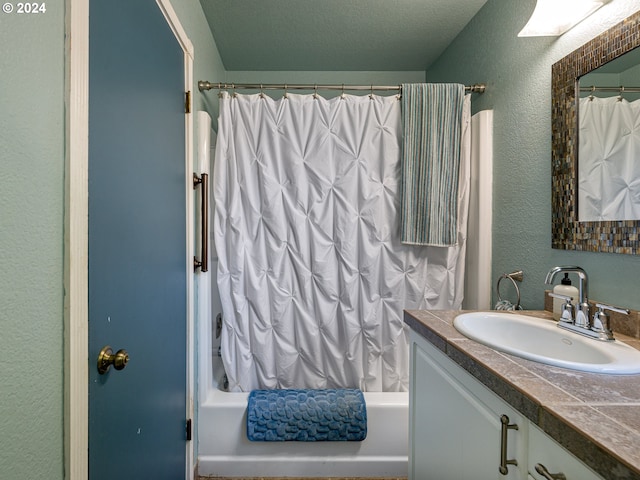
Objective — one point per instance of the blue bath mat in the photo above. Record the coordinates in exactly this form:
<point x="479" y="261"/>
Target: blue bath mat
<point x="306" y="415"/>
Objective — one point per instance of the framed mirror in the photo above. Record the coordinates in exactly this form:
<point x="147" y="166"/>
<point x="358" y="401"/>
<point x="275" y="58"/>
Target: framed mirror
<point x="568" y="231"/>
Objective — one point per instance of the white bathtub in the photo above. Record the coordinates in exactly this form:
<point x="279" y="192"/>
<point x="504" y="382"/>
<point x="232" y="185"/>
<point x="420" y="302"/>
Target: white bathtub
<point x="223" y="448"/>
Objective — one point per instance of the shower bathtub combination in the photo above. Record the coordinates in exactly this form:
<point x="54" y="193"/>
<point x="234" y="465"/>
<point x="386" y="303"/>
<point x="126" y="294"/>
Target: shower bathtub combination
<point x="223" y="449"/>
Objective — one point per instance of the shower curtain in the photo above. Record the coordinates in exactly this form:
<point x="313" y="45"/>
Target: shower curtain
<point x="608" y="170"/>
<point x="312" y="275"/>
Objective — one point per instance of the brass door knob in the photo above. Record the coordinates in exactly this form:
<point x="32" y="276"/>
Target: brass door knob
<point x="106" y="358"/>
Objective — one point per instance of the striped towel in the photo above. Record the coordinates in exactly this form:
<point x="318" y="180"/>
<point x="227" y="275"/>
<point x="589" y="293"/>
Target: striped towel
<point x="432" y="125"/>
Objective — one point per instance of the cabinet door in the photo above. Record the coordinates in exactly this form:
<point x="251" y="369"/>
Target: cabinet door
<point x="546" y="451"/>
<point x="455" y="428"/>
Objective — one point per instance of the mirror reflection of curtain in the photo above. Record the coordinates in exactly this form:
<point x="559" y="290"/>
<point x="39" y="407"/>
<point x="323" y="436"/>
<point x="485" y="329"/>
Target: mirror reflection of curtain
<point x="609" y="159"/>
<point x="312" y="274"/>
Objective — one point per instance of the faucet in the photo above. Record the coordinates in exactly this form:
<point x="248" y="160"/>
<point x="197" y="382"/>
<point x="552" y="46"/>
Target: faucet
<point x="582" y="312"/>
<point x="600" y="328"/>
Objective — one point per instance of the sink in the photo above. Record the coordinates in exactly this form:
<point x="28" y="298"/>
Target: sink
<point x="542" y="341"/>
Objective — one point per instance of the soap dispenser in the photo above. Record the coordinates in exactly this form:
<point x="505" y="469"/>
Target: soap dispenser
<point x="564" y="288"/>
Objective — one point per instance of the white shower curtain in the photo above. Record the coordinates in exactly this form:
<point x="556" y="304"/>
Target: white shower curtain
<point x="608" y="170"/>
<point x="312" y="275"/>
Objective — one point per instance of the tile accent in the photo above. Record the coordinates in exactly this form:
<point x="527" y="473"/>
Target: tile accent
<point x="593" y="455"/>
<point x="567" y="232"/>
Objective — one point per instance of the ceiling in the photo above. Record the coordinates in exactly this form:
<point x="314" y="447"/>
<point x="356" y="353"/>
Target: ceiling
<point x="334" y="35"/>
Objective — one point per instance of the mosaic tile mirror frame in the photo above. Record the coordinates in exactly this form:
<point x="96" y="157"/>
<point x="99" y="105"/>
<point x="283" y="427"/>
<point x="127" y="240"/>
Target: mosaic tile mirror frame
<point x="567" y="232"/>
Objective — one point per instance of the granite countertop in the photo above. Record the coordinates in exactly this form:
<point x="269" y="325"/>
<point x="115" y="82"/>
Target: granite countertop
<point x="594" y="416"/>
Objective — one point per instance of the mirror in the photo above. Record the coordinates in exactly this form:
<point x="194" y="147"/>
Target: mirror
<point x="609" y="141"/>
<point x="569" y="232"/>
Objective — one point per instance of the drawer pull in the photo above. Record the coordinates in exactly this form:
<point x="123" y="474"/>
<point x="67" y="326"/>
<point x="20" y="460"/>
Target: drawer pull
<point x="542" y="470"/>
<point x="504" y="463"/>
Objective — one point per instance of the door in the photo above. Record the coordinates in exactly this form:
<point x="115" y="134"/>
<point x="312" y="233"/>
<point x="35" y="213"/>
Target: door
<point x="137" y="242"/>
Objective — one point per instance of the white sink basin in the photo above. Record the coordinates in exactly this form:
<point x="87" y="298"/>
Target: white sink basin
<point x="542" y="341"/>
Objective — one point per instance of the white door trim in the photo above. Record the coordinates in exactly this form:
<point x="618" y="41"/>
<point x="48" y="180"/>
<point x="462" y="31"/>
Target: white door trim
<point x="76" y="228"/>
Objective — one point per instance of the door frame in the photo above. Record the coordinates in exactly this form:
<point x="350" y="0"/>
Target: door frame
<point x="76" y="234"/>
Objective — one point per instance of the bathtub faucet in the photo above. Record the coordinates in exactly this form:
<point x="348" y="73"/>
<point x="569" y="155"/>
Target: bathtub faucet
<point x="582" y="312"/>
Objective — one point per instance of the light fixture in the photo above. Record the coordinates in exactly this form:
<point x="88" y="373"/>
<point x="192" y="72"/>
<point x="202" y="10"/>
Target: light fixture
<point x="552" y="18"/>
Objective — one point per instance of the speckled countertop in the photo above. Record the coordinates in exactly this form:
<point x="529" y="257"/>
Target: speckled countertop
<point x="594" y="416"/>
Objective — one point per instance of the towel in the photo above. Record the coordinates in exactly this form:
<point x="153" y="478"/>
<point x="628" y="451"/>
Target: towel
<point x="432" y="126"/>
<point x="306" y="415"/>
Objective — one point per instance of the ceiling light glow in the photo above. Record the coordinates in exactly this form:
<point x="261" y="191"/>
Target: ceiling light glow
<point x="552" y="18"/>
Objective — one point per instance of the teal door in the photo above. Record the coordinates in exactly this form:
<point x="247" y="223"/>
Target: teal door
<point x="137" y="242"/>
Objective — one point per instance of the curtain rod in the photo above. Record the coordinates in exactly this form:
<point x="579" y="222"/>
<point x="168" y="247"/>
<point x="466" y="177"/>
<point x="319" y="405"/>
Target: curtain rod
<point x="619" y="89"/>
<point x="204" y="85"/>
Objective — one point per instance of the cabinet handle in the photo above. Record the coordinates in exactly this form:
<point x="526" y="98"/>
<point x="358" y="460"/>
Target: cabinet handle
<point x="542" y="470"/>
<point x="504" y="463"/>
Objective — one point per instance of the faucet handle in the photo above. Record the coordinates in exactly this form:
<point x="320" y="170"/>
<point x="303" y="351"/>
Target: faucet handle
<point x="604" y="306"/>
<point x="601" y="320"/>
<point x="561" y="297"/>
<point x="567" y="309"/>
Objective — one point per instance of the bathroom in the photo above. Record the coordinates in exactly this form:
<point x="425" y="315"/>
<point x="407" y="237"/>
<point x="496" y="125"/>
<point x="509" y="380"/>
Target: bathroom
<point x="517" y="72"/>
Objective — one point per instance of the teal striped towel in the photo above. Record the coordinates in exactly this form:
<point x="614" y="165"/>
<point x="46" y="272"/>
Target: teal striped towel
<point x="432" y="126"/>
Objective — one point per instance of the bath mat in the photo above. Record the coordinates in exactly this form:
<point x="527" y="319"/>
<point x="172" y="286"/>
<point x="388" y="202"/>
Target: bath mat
<point x="306" y="415"/>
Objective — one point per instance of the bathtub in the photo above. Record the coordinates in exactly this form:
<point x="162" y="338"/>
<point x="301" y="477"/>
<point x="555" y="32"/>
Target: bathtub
<point x="225" y="451"/>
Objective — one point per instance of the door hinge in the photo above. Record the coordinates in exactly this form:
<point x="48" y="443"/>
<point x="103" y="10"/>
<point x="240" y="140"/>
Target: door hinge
<point x="187" y="102"/>
<point x="188" y="430"/>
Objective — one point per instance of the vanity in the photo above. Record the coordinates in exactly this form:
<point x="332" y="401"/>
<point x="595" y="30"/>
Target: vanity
<point x="477" y="413"/>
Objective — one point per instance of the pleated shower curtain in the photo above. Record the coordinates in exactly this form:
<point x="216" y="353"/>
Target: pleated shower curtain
<point x="608" y="170"/>
<point x="312" y="275"/>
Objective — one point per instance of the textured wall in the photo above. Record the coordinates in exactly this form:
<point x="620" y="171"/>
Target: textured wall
<point x="337" y="77"/>
<point x="518" y="75"/>
<point x="31" y="230"/>
<point x="31" y="243"/>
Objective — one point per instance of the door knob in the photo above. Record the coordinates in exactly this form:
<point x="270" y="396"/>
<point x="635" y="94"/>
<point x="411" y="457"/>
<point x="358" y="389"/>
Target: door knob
<point x="106" y="358"/>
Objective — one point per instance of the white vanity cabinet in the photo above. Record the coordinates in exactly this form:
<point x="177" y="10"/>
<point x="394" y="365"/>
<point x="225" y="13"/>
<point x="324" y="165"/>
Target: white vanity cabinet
<point x="455" y="423"/>
<point x="456" y="433"/>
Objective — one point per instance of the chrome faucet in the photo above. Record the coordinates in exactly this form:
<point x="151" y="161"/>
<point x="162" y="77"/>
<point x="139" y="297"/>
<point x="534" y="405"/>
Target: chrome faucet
<point x="582" y="310"/>
<point x="600" y="327"/>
